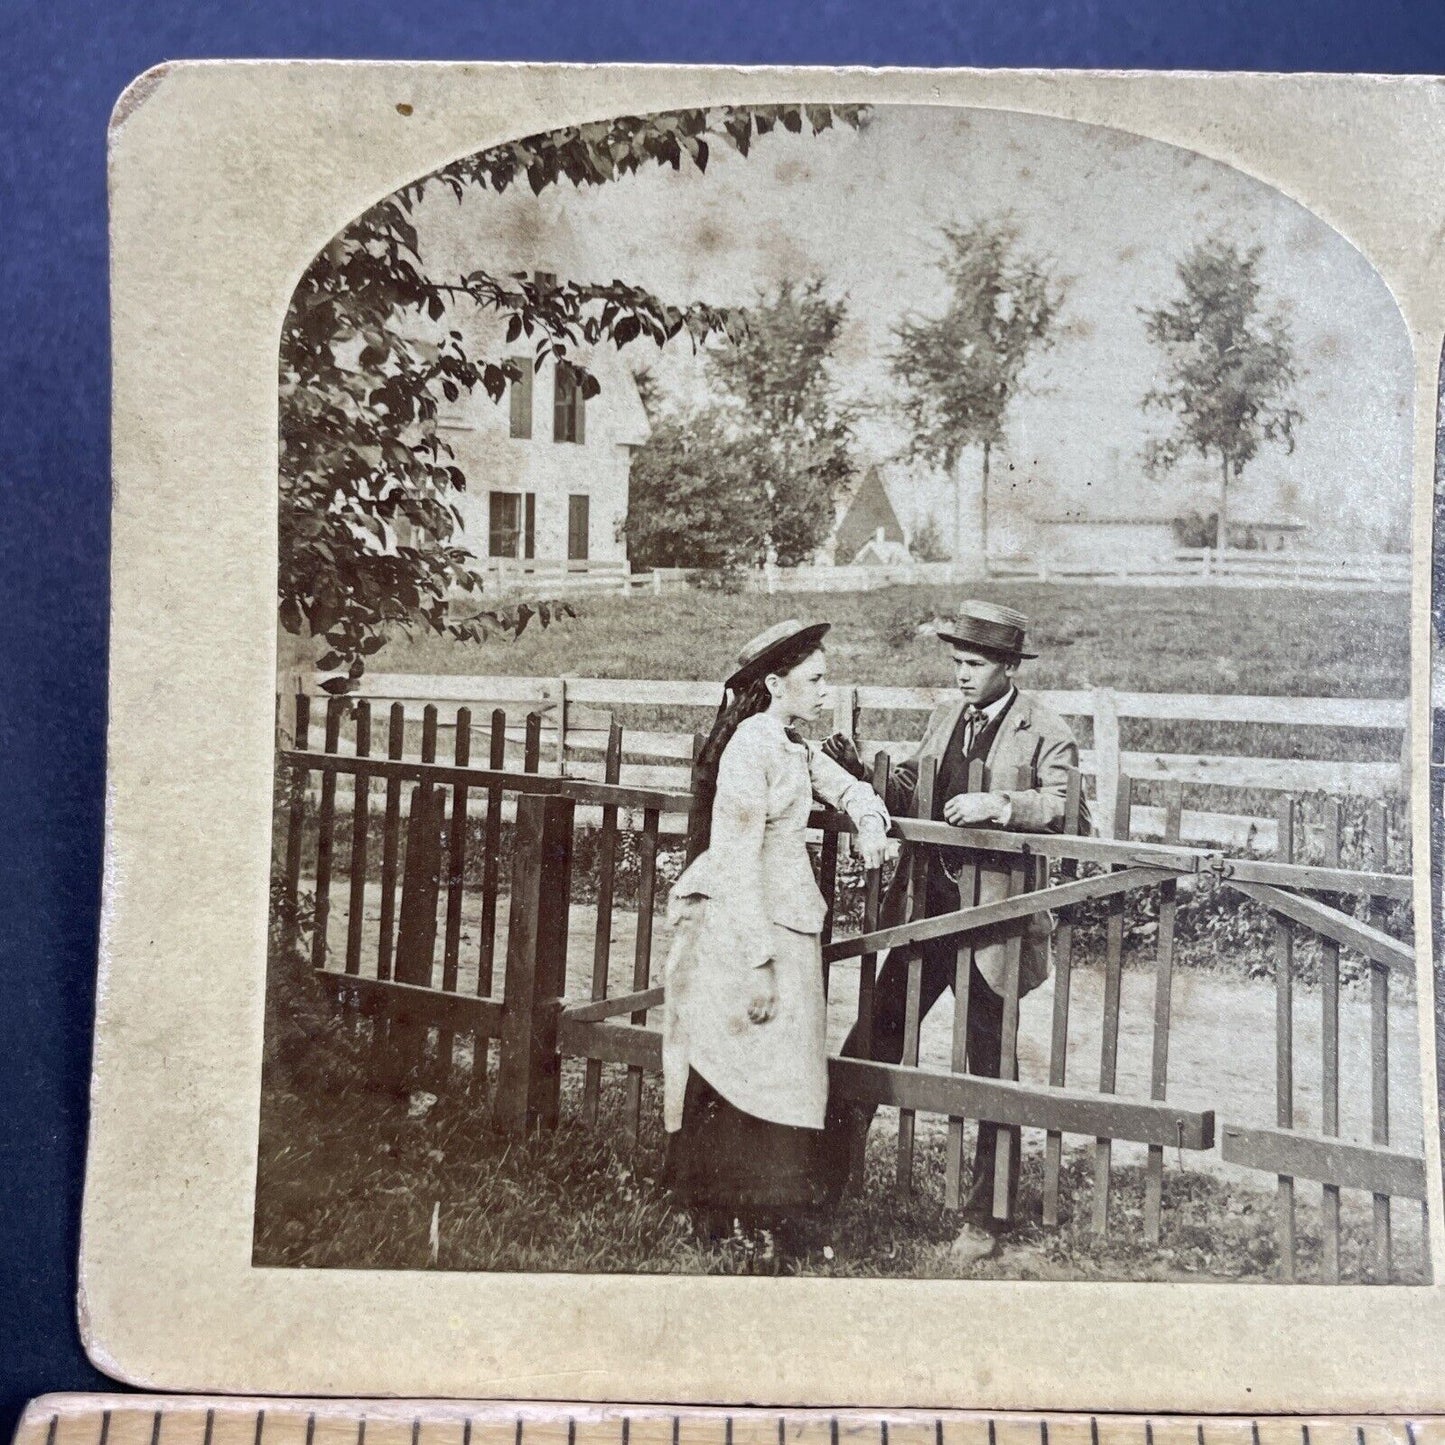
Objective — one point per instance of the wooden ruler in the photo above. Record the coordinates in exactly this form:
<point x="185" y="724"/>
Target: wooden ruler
<point x="198" y="1420"/>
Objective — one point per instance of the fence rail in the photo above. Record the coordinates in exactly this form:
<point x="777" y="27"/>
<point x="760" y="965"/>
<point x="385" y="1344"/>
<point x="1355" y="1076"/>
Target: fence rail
<point x="576" y="716"/>
<point x="437" y="1009"/>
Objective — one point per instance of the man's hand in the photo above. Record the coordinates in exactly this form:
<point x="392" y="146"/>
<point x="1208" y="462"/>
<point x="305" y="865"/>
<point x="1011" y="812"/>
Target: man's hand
<point x="763" y="1002"/>
<point x="971" y="810"/>
<point x="844" y="751"/>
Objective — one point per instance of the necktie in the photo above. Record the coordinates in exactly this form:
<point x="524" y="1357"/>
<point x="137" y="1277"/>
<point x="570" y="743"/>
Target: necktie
<point x="972" y="723"/>
<point x="794" y="736"/>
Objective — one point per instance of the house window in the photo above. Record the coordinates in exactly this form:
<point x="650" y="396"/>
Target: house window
<point x="568" y="421"/>
<point x="512" y="525"/>
<point x="503" y="524"/>
<point x="578" y="514"/>
<point x="521" y="395"/>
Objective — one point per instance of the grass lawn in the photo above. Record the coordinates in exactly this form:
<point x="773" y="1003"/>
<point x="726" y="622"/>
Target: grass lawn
<point x="352" y="1178"/>
<point x="1185" y="639"/>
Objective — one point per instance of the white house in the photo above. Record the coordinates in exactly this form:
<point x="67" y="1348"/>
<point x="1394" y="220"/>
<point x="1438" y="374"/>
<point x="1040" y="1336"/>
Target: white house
<point x="547" y="471"/>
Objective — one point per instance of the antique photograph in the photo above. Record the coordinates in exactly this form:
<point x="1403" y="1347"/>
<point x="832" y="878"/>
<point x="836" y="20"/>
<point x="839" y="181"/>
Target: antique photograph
<point x="842" y="709"/>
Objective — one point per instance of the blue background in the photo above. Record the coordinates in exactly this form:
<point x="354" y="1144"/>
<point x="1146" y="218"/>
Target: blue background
<point x="65" y="63"/>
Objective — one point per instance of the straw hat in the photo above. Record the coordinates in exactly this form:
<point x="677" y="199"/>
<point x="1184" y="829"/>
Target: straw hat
<point x="753" y="661"/>
<point x="989" y="626"/>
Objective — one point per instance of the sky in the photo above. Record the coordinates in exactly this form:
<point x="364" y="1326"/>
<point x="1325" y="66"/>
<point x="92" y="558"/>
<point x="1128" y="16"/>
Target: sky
<point x="1111" y="212"/>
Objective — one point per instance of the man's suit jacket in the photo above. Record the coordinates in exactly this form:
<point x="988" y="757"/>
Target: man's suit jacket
<point x="1036" y="739"/>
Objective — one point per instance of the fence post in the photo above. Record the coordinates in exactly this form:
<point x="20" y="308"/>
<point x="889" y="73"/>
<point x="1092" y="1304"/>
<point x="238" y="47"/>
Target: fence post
<point x="1107" y="766"/>
<point x="296" y="782"/>
<point x="529" y="1069"/>
<point x="561" y="727"/>
<point x="845" y="721"/>
<point x="416" y="934"/>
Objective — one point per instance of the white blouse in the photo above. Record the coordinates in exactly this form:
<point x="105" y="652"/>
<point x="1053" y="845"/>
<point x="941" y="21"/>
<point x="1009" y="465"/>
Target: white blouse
<point x="757" y="859"/>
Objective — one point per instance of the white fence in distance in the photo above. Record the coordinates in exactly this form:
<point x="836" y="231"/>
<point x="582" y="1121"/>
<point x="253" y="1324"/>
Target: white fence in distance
<point x="1373" y="572"/>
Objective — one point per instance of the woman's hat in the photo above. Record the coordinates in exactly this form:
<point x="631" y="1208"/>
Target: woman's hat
<point x="754" y="659"/>
<point x="989" y="626"/>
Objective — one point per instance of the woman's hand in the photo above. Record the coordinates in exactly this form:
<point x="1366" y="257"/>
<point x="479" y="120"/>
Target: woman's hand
<point x="763" y="1002"/>
<point x="872" y="843"/>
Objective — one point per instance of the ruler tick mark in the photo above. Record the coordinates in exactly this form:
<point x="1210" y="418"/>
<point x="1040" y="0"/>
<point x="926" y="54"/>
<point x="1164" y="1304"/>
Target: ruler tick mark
<point x="210" y="1427"/>
<point x="105" y="1427"/>
<point x="260" y="1426"/>
<point x="156" y="1428"/>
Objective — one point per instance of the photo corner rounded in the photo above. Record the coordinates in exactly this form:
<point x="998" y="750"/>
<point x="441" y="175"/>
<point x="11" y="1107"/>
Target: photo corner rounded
<point x="100" y="1349"/>
<point x="136" y="94"/>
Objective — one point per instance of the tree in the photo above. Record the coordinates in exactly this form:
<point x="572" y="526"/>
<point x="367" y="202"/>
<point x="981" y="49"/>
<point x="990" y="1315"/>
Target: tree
<point x="755" y="475"/>
<point x="695" y="496"/>
<point x="961" y="370"/>
<point x="361" y="380"/>
<point x="1229" y="368"/>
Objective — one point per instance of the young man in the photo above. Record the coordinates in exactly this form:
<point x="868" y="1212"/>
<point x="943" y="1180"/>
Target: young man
<point x="1008" y="730"/>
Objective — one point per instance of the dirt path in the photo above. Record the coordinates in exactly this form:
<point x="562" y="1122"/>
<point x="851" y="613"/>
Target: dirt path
<point x="1221" y="1044"/>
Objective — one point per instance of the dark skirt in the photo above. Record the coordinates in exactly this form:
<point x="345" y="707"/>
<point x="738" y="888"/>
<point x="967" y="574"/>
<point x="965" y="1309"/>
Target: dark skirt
<point x="723" y="1161"/>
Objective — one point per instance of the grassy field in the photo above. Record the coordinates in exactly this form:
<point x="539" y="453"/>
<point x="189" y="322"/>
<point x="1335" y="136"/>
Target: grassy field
<point x="1186" y="639"/>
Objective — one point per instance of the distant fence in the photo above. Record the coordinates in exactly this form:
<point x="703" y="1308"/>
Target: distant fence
<point x="1389" y="572"/>
<point x="425" y="985"/>
<point x="576" y="715"/>
<point x="1235" y="568"/>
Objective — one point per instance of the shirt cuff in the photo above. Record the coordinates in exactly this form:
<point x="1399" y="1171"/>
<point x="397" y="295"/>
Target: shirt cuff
<point x="1006" y="813"/>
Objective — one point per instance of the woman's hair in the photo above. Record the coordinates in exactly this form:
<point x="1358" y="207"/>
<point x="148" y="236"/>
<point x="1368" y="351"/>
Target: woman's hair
<point x="751" y="698"/>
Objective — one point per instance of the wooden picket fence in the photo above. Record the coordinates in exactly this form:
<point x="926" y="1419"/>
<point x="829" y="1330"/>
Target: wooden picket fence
<point x="435" y="1013"/>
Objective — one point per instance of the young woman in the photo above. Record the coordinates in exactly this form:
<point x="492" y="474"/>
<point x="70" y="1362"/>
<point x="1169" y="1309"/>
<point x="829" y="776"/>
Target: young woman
<point x="745" y="1075"/>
